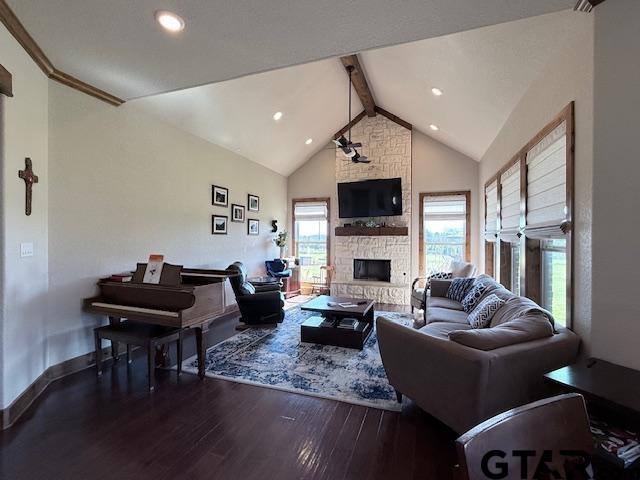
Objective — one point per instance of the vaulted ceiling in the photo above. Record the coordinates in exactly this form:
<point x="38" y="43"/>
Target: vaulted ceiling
<point x="483" y="74"/>
<point x="117" y="46"/>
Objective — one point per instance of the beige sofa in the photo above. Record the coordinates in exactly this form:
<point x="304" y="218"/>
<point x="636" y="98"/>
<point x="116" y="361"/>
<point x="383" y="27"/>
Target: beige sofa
<point x="462" y="375"/>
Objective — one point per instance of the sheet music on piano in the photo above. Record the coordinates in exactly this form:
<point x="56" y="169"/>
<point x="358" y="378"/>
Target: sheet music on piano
<point x="153" y="271"/>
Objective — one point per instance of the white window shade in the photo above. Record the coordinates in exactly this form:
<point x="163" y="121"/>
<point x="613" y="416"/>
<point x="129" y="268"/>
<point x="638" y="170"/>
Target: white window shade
<point x="510" y="206"/>
<point x="446" y="207"/>
<point x="491" y="213"/>
<point x="547" y="180"/>
<point x="310" y="211"/>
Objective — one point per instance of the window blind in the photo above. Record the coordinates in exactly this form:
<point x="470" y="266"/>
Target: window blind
<point x="547" y="180"/>
<point x="445" y="207"/>
<point x="310" y="211"/>
<point x="491" y="212"/>
<point x="510" y="204"/>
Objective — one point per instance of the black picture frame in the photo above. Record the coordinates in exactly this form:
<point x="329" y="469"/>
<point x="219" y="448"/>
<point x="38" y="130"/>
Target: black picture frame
<point x="216" y="193"/>
<point x="237" y="208"/>
<point x="253" y="203"/>
<point x="215" y="226"/>
<point x="251" y="223"/>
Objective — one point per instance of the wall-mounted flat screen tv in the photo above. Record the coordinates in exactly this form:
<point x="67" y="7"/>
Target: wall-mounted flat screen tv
<point x="370" y="198"/>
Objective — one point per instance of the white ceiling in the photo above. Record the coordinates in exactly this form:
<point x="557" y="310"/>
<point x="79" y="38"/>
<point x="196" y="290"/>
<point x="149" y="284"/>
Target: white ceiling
<point x="117" y="46"/>
<point x="238" y="114"/>
<point x="483" y="73"/>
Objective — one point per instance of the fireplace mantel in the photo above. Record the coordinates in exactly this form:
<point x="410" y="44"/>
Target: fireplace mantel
<point x="354" y="231"/>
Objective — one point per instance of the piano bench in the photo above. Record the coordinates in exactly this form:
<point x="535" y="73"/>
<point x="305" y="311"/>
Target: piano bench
<point x="141" y="335"/>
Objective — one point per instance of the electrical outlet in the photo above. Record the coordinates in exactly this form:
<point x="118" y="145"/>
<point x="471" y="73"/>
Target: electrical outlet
<point x="26" y="249"/>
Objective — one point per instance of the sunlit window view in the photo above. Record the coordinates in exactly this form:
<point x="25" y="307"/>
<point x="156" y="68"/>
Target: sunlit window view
<point x="445" y="231"/>
<point x="311" y="240"/>
<point x="515" y="268"/>
<point x="554" y="278"/>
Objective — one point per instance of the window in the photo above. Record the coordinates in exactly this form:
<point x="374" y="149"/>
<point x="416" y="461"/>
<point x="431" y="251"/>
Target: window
<point x="311" y="239"/>
<point x="445" y="230"/>
<point x="515" y="268"/>
<point x="554" y="278"/>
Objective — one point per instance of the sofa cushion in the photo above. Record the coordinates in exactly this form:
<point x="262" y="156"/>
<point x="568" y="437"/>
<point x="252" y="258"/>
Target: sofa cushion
<point x="481" y="315"/>
<point x="474" y="295"/>
<point x="459" y="288"/>
<point x="515" y="307"/>
<point x="443" y="302"/>
<point x="531" y="326"/>
<point x="443" y="329"/>
<point x="439" y="314"/>
<point x="462" y="269"/>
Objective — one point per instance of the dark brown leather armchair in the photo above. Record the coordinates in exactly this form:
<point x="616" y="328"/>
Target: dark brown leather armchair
<point x="258" y="304"/>
<point x="526" y="441"/>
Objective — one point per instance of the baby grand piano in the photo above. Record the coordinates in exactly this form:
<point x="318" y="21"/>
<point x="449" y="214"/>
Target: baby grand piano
<point x="184" y="298"/>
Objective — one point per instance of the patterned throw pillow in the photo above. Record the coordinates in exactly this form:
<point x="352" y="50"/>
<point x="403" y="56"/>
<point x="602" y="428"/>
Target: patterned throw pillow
<point x="481" y="316"/>
<point x="459" y="288"/>
<point x="473" y="296"/>
<point x="437" y="276"/>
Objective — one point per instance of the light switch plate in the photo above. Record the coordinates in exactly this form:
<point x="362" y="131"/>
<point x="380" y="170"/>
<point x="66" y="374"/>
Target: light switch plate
<point x="26" y="249"/>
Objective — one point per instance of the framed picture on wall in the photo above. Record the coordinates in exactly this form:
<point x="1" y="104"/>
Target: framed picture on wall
<point x="253" y="226"/>
<point x="253" y="203"/>
<point x="219" y="224"/>
<point x="219" y="196"/>
<point x="237" y="213"/>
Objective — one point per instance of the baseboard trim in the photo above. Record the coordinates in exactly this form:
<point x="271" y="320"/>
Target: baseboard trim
<point x="21" y="404"/>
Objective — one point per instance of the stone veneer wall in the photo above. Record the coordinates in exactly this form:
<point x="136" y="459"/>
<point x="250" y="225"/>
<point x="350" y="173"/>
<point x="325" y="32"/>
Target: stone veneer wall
<point x="388" y="146"/>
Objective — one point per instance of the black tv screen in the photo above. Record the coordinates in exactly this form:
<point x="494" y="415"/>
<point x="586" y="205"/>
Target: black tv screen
<point x="370" y="198"/>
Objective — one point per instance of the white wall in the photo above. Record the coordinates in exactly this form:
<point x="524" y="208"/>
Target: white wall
<point x="439" y="168"/>
<point x="124" y="185"/>
<point x="568" y="76"/>
<point x="616" y="173"/>
<point x="435" y="167"/>
<point x="25" y="280"/>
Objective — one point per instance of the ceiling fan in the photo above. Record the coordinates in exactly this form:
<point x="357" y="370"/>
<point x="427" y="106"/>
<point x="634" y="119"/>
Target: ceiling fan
<point x="348" y="148"/>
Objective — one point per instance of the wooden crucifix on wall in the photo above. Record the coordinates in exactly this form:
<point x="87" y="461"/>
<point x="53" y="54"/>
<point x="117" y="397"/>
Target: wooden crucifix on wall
<point x="29" y="179"/>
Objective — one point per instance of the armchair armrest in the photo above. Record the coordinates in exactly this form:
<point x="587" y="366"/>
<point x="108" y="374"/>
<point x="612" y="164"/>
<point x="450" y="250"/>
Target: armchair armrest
<point x="415" y="282"/>
<point x="269" y="287"/>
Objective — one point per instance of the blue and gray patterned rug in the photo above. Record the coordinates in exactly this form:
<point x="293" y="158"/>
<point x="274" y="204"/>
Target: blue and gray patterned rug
<point x="275" y="358"/>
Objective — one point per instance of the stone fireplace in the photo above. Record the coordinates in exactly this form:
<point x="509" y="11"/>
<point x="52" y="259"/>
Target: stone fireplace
<point x="388" y="146"/>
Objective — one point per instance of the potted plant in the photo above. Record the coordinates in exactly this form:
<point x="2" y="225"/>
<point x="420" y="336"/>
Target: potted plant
<point x="281" y="241"/>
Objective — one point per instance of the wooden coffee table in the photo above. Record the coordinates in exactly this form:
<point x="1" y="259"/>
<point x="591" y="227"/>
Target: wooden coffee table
<point x="337" y="325"/>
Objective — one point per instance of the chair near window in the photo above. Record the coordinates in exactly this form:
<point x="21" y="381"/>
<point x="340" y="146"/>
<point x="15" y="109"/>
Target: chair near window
<point x="321" y="284"/>
<point x="457" y="270"/>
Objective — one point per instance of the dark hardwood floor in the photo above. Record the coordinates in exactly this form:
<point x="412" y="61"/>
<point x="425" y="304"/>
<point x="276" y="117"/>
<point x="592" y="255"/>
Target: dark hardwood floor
<point x="112" y="428"/>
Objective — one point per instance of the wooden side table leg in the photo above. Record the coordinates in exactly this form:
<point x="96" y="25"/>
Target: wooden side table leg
<point x="201" y="349"/>
<point x="114" y="345"/>
<point x="98" y="341"/>
<point x="179" y="352"/>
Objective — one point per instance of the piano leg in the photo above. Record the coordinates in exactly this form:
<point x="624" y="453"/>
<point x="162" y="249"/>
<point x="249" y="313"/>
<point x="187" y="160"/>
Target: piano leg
<point x="98" y="341"/>
<point x="179" y="352"/>
<point x="114" y="345"/>
<point x="201" y="348"/>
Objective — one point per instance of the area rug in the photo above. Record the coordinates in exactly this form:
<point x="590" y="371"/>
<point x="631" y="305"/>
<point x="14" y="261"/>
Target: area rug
<point x="275" y="358"/>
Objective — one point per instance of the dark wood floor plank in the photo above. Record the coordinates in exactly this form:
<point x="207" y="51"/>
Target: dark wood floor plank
<point x="193" y="429"/>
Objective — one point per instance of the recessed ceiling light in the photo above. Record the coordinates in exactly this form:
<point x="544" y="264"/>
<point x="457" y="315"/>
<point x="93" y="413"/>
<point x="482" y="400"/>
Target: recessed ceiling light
<point x="433" y="127"/>
<point x="309" y="141"/>
<point x="436" y="91"/>
<point x="170" y="21"/>
<point x="277" y="116"/>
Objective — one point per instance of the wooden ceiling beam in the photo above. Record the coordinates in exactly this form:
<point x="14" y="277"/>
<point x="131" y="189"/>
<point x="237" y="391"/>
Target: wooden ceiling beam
<point x="349" y="125"/>
<point x="359" y="81"/>
<point x="22" y="36"/>
<point x="394" y="118"/>
<point x="6" y="87"/>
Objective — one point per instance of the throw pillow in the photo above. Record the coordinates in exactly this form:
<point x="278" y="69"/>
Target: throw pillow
<point x="459" y="288"/>
<point x="481" y="316"/>
<point x="437" y="276"/>
<point x="474" y="295"/>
